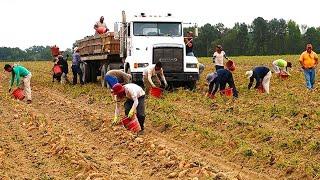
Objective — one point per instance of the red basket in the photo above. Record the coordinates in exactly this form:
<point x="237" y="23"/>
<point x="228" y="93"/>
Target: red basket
<point x="57" y="69"/>
<point x="55" y="51"/>
<point x="261" y="89"/>
<point x="156" y="92"/>
<point x="231" y="65"/>
<point x="227" y="92"/>
<point x="132" y="124"/>
<point x="101" y="30"/>
<point x="283" y="75"/>
<point x="18" y="94"/>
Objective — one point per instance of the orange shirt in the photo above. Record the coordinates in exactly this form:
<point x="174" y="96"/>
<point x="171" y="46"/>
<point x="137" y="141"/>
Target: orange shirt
<point x="308" y="60"/>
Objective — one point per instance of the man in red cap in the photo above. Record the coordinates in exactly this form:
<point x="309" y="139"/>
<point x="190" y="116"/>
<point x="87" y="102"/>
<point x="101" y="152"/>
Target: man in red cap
<point x="135" y="97"/>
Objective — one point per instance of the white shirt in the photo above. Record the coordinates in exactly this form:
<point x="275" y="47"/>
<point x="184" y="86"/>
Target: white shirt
<point x="133" y="92"/>
<point x="151" y="71"/>
<point x="218" y="58"/>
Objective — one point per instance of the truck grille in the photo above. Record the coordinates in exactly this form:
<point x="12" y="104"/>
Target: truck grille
<point x="170" y="57"/>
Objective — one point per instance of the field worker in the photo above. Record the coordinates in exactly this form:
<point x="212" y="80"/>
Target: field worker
<point x="100" y="23"/>
<point x="64" y="65"/>
<point x="218" y="57"/>
<point x="134" y="103"/>
<point x="262" y="75"/>
<point x="220" y="79"/>
<point x="281" y="65"/>
<point x="309" y="61"/>
<point x="76" y="70"/>
<point x="117" y="76"/>
<point x="189" y="43"/>
<point x="19" y="72"/>
<point x="151" y="73"/>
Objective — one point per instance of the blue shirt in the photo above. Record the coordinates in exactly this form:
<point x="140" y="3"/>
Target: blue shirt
<point x="258" y="73"/>
<point x="76" y="59"/>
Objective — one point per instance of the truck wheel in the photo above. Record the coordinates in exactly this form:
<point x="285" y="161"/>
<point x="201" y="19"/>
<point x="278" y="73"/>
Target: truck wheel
<point x="93" y="72"/>
<point x="191" y="85"/>
<point x="86" y="73"/>
<point x="103" y="73"/>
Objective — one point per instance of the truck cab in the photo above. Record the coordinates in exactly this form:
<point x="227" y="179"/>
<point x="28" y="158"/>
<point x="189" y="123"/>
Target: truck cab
<point x="149" y="39"/>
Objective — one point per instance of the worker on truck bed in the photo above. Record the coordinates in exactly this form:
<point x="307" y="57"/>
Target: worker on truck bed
<point x="262" y="75"/>
<point x="189" y="44"/>
<point x="99" y="24"/>
<point x="19" y="72"/>
<point x="280" y="66"/>
<point x="219" y="79"/>
<point x="151" y="73"/>
<point x="135" y="97"/>
<point x="117" y="76"/>
<point x="76" y="70"/>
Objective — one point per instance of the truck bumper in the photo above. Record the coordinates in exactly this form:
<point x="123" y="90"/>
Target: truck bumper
<point x="171" y="77"/>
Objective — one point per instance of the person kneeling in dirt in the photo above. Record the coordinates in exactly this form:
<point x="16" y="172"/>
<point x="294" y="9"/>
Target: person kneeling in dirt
<point x="117" y="76"/>
<point x="151" y="74"/>
<point x="17" y="72"/>
<point x="262" y="75"/>
<point x="219" y="79"/>
<point x="135" y="97"/>
<point x="281" y="65"/>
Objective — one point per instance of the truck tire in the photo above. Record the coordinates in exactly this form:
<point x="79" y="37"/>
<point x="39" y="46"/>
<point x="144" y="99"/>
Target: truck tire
<point x="191" y="85"/>
<point x="103" y="73"/>
<point x="93" y="72"/>
<point x="86" y="73"/>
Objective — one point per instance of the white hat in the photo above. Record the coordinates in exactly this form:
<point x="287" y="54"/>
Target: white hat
<point x="75" y="49"/>
<point x="249" y="74"/>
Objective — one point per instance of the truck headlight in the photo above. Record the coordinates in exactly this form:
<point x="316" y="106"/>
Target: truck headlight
<point x="140" y="65"/>
<point x="192" y="65"/>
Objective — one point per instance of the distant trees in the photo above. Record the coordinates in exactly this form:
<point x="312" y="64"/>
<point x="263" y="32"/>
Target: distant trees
<point x="261" y="37"/>
<point x="31" y="53"/>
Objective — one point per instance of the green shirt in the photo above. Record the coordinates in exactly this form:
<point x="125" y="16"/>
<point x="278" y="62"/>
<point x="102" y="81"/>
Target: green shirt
<point x="18" y="72"/>
<point x="281" y="63"/>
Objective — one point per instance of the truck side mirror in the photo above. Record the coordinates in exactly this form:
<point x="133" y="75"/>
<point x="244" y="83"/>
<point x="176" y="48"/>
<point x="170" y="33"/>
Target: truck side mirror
<point x="116" y="31"/>
<point x="196" y="31"/>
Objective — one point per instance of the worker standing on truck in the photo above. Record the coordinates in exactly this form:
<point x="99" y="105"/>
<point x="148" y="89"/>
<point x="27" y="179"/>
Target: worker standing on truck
<point x="76" y="70"/>
<point x="18" y="72"/>
<point x="134" y="103"/>
<point x="189" y="43"/>
<point x="99" y="24"/>
<point x="117" y="76"/>
<point x="220" y="79"/>
<point x="262" y="75"/>
<point x="151" y="73"/>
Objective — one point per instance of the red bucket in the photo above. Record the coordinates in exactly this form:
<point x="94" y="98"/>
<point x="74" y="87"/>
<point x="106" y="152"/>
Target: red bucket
<point x="57" y="69"/>
<point x="230" y="65"/>
<point x="283" y="75"/>
<point x="55" y="51"/>
<point x="101" y="30"/>
<point x="18" y="94"/>
<point x="227" y="92"/>
<point x="261" y="89"/>
<point x="132" y="124"/>
<point x="156" y="92"/>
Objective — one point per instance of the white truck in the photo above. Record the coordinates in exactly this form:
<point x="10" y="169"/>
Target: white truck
<point x="145" y="40"/>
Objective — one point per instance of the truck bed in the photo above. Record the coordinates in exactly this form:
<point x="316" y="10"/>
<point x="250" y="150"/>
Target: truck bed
<point x="98" y="47"/>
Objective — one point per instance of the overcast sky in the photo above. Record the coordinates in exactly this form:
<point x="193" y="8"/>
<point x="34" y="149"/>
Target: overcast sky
<point x="47" y="22"/>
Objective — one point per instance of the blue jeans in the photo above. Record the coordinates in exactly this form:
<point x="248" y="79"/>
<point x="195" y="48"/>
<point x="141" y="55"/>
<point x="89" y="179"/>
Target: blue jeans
<point x="309" y="75"/>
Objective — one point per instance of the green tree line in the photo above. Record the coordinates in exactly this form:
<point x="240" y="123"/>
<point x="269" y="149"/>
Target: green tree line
<point x="261" y="37"/>
<point x="31" y="53"/>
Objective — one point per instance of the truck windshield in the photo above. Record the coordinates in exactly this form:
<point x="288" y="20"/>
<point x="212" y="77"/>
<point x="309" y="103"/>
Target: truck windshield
<point x="156" y="29"/>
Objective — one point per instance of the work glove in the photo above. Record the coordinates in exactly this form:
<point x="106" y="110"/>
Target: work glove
<point x="115" y="120"/>
<point x="131" y="113"/>
<point x="9" y="89"/>
<point x="153" y="85"/>
<point x="165" y="84"/>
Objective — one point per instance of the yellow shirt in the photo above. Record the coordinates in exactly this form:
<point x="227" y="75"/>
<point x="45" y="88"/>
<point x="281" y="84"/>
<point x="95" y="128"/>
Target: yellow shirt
<point x="308" y="60"/>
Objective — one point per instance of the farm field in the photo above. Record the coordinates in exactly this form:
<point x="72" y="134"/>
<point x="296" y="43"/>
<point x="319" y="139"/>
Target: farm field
<point x="66" y="132"/>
